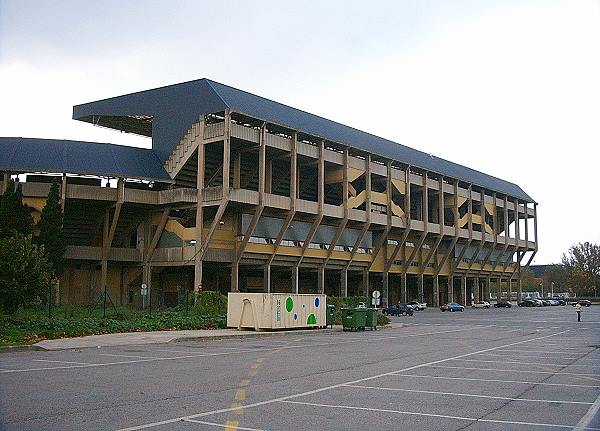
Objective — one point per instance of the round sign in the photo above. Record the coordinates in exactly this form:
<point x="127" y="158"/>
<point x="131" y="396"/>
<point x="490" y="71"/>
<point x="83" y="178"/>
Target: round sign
<point x="376" y="294"/>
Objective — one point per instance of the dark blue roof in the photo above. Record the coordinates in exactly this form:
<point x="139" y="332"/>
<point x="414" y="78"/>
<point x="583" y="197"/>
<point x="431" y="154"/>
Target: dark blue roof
<point x="175" y="108"/>
<point x="77" y="157"/>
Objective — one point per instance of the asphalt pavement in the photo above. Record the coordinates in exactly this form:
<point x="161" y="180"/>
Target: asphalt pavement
<point x="496" y="369"/>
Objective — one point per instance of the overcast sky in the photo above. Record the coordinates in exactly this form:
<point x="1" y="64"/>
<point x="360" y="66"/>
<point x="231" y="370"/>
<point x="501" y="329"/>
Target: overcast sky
<point x="511" y="88"/>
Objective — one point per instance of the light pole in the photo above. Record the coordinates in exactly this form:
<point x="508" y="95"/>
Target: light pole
<point x="542" y="286"/>
<point x="552" y="287"/>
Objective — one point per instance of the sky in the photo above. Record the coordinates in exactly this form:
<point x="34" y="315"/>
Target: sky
<point x="510" y="88"/>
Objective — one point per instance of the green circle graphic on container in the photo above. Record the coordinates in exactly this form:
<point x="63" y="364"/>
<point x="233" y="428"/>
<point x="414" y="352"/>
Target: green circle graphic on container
<point x="289" y="304"/>
<point x="312" y="320"/>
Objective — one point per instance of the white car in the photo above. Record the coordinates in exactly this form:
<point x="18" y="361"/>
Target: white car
<point x="481" y="304"/>
<point x="418" y="305"/>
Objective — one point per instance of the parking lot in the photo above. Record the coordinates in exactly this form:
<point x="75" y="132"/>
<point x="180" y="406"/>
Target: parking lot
<point x="496" y="369"/>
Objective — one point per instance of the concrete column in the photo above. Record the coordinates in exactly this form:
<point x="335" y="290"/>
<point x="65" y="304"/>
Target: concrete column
<point x="436" y="291"/>
<point x="498" y="289"/>
<point x="450" y="289"/>
<point x="385" y="290"/>
<point x="420" y="284"/>
<point x="476" y="289"/>
<point x="147" y="279"/>
<point x="267" y="278"/>
<point x="463" y="289"/>
<point x="519" y="290"/>
<point x="237" y="170"/>
<point x="295" y="286"/>
<point x="235" y="269"/>
<point x="403" y="295"/>
<point x="365" y="283"/>
<point x="321" y="280"/>
<point x="5" y="180"/>
<point x="344" y="282"/>
<point x="487" y="288"/>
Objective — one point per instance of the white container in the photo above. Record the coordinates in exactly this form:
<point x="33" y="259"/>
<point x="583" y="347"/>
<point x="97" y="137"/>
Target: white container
<point x="275" y="310"/>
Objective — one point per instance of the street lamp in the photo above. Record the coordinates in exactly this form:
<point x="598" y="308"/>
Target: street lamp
<point x="552" y="287"/>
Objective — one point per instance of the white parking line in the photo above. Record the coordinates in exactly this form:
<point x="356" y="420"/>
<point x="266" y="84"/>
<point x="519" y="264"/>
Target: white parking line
<point x="550" y="352"/>
<point x="229" y="427"/>
<point x="463" y="418"/>
<point x="458" y="394"/>
<point x="326" y="388"/>
<point x="515" y="357"/>
<point x="191" y="351"/>
<point x="129" y="356"/>
<point x="529" y="363"/>
<point x="587" y="419"/>
<point x="500" y="381"/>
<point x="61" y="362"/>
<point x="516" y="371"/>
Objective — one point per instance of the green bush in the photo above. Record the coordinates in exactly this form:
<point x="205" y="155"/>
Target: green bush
<point x="32" y="327"/>
<point x="347" y="302"/>
<point x="383" y="320"/>
<point x="24" y="273"/>
<point x="208" y="303"/>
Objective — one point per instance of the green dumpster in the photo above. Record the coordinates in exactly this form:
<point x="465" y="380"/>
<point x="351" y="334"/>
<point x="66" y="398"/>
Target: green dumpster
<point x="354" y="318"/>
<point x="371" y="318"/>
<point x="330" y="316"/>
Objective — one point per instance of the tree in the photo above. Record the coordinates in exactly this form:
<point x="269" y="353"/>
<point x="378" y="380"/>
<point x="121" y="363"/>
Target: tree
<point x="25" y="273"/>
<point x="14" y="216"/>
<point x="583" y="264"/>
<point x="527" y="280"/>
<point x="559" y="275"/>
<point x="51" y="231"/>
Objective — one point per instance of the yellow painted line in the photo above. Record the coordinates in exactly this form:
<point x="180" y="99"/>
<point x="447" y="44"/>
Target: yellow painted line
<point x="238" y="409"/>
<point x="254" y="366"/>
<point x="240" y="395"/>
<point x="244" y="382"/>
<point x="231" y="425"/>
<point x="260" y="360"/>
<point x="252" y="373"/>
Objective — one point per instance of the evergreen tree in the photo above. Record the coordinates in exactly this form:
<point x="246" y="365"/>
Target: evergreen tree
<point x="14" y="216"/>
<point x="9" y="207"/>
<point x="24" y="220"/>
<point x="51" y="230"/>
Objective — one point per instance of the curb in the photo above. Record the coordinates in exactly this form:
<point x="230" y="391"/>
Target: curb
<point x="26" y="348"/>
<point x="259" y="334"/>
<point x="184" y="338"/>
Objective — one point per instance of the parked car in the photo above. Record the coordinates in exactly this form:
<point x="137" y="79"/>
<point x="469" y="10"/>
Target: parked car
<point x="503" y="304"/>
<point x="546" y="302"/>
<point x="528" y="303"/>
<point x="452" y="306"/>
<point x="560" y="301"/>
<point x="361" y="305"/>
<point x="399" y="310"/>
<point x="480" y="304"/>
<point x="582" y="302"/>
<point x="554" y="302"/>
<point x="418" y="305"/>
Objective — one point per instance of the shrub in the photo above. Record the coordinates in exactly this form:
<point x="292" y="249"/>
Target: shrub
<point x="347" y="302"/>
<point x="24" y="272"/>
<point x="383" y="320"/>
<point x="208" y="303"/>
